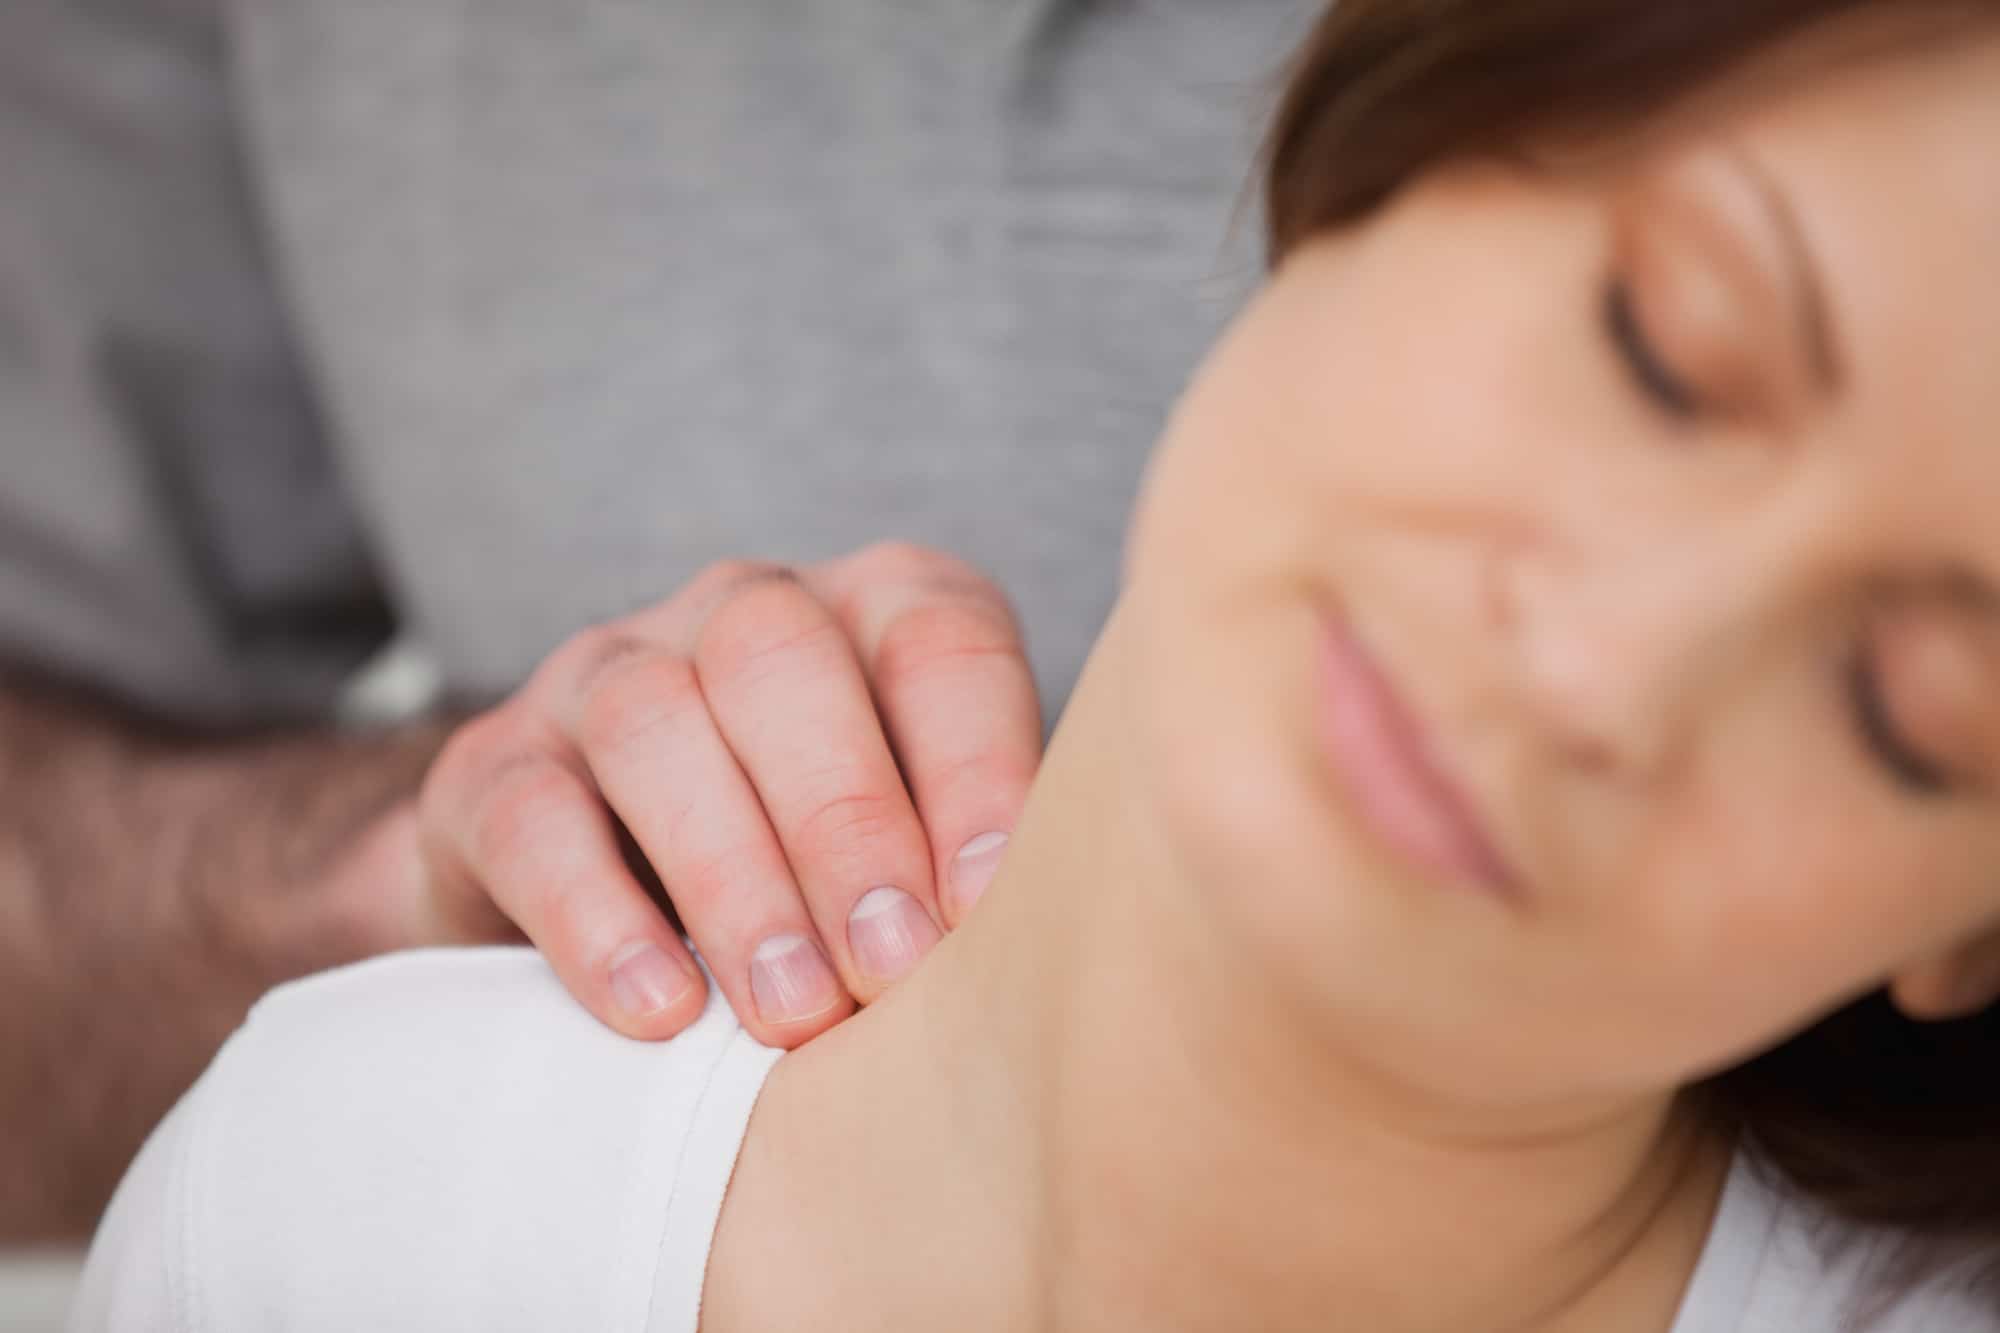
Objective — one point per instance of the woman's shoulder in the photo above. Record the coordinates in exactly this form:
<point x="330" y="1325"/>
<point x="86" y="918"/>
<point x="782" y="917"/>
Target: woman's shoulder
<point x="441" y="1138"/>
<point x="1777" y="1261"/>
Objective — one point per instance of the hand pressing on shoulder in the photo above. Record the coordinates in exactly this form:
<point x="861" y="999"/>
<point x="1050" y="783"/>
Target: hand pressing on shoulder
<point x="815" y="769"/>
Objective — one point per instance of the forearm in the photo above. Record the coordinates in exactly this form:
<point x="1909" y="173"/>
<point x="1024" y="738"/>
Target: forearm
<point x="151" y="887"/>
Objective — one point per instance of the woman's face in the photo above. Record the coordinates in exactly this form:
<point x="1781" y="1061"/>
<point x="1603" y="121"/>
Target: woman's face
<point x="1567" y="609"/>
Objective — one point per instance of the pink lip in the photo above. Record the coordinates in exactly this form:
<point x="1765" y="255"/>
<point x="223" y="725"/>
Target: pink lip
<point x="1378" y="748"/>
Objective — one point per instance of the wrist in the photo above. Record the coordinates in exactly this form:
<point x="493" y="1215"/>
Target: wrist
<point x="304" y="855"/>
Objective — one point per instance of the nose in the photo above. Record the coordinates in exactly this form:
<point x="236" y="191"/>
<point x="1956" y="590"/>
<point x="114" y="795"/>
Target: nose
<point x="1614" y="653"/>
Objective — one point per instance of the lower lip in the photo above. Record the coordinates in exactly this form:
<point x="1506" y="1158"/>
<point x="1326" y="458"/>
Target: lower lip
<point x="1378" y="751"/>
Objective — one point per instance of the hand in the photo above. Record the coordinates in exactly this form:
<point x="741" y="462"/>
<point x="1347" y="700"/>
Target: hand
<point x="726" y="745"/>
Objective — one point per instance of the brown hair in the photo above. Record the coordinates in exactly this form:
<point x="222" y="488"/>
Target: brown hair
<point x="1878" y="1118"/>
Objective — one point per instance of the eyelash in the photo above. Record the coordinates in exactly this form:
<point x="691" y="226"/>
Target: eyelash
<point x="1667" y="390"/>
<point x="1910" y="770"/>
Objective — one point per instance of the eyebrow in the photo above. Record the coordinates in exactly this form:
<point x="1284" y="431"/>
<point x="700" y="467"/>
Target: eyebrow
<point x="1810" y="300"/>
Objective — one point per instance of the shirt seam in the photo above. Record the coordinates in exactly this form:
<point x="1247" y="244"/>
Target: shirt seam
<point x="695" y="1120"/>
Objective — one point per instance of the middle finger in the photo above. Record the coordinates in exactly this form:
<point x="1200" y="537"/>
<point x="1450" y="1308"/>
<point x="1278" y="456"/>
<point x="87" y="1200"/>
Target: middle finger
<point x="790" y="699"/>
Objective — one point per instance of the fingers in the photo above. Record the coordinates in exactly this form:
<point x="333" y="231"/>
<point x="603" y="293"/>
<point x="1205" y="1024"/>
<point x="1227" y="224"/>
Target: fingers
<point x="790" y="701"/>
<point x="638" y="714"/>
<point x="505" y="817"/>
<point x="731" y="736"/>
<point x="944" y="652"/>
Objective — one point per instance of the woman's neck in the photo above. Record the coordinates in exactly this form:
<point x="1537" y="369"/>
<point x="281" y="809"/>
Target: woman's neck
<point x="1079" y="1115"/>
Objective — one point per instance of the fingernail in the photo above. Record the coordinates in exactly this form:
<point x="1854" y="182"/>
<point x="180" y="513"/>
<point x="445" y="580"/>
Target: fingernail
<point x="889" y="933"/>
<point x="644" y="980"/>
<point x="972" y="870"/>
<point x="789" y="980"/>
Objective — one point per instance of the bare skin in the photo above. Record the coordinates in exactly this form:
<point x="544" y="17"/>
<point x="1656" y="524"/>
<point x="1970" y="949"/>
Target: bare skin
<point x="1046" y="1129"/>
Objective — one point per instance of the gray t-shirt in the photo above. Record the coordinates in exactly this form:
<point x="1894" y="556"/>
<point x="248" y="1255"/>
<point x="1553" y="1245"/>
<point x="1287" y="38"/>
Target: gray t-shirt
<point x="485" y="323"/>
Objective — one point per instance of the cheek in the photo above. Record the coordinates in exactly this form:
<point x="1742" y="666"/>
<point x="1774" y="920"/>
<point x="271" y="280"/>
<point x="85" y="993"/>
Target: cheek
<point x="1778" y="889"/>
<point x="1218" y="687"/>
<point x="1213" y="611"/>
<point x="1452" y="366"/>
<point x="1351" y="394"/>
<point x="1220" y="633"/>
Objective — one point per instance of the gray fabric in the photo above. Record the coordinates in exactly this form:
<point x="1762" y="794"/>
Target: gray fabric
<point x="169" y="528"/>
<point x="596" y="292"/>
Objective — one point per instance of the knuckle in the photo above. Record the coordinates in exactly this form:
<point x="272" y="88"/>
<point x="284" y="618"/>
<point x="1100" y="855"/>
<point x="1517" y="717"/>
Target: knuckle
<point x="767" y="623"/>
<point x="883" y="581"/>
<point x="976" y="781"/>
<point x="928" y="636"/>
<point x="899" y="559"/>
<point x="592" y="653"/>
<point x="717" y="885"/>
<point x="571" y="921"/>
<point x="473" y="747"/>
<point x="522" y="802"/>
<point x="727" y="573"/>
<point x="634" y="699"/>
<point x="849" y="819"/>
<point x="726" y="580"/>
<point x="928" y="568"/>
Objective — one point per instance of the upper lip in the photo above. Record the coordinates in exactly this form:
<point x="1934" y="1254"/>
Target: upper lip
<point x="1436" y="785"/>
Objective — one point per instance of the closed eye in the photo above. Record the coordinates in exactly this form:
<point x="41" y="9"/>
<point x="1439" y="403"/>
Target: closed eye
<point x="1649" y="371"/>
<point x="1911" y="770"/>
